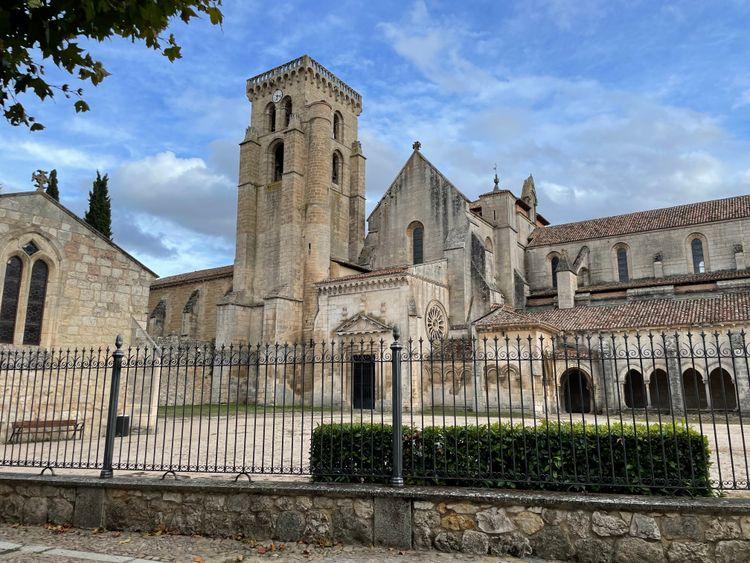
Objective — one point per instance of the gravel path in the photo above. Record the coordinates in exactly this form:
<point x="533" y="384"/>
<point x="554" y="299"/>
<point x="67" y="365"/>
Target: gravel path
<point x="199" y="549"/>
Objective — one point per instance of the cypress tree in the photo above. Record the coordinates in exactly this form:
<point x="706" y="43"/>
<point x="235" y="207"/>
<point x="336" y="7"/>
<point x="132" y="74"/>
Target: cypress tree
<point x="52" y="189"/>
<point x="99" y="214"/>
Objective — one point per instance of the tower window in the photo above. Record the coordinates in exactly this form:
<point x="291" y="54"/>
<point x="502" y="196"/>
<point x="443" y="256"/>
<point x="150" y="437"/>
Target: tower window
<point x="416" y="233"/>
<point x="699" y="263"/>
<point x="278" y="162"/>
<point x="622" y="264"/>
<point x="32" y="333"/>
<point x="287" y="111"/>
<point x="9" y="305"/>
<point x="554" y="265"/>
<point x="337" y="126"/>
<point x="271" y="116"/>
<point x="335" y="168"/>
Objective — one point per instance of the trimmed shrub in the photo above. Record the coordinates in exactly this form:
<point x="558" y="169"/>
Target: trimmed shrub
<point x="620" y="458"/>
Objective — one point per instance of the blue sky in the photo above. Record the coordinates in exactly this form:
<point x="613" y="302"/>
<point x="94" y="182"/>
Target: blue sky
<point x="613" y="106"/>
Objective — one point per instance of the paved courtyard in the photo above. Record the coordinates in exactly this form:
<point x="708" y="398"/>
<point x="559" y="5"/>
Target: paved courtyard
<point x="57" y="543"/>
<point x="228" y="440"/>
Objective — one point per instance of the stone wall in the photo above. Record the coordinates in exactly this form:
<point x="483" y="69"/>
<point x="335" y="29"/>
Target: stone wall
<point x="94" y="289"/>
<point x="565" y="526"/>
<point x="211" y="290"/>
<point x="673" y="245"/>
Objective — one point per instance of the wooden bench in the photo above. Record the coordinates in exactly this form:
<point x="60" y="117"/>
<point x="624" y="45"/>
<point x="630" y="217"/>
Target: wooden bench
<point x="35" y="427"/>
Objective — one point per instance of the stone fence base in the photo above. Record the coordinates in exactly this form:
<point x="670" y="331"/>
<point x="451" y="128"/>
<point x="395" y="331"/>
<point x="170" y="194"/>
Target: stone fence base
<point x="596" y="528"/>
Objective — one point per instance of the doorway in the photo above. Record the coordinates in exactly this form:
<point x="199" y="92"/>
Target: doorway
<point x="363" y="381"/>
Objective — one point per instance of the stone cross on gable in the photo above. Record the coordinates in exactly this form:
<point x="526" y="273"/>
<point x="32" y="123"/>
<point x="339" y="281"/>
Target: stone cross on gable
<point x="40" y="179"/>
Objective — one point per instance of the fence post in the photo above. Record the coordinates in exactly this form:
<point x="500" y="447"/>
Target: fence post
<point x="397" y="476"/>
<point x="114" y="391"/>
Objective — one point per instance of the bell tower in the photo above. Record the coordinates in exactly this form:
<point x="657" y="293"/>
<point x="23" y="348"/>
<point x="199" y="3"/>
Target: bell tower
<point x="301" y="201"/>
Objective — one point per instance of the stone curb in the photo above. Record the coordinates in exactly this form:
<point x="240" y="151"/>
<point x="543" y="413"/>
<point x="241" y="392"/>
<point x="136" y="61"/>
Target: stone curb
<point x="574" y="500"/>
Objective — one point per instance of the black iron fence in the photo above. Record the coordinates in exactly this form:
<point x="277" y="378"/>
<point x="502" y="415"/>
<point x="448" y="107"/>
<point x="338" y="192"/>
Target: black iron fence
<point x="606" y="411"/>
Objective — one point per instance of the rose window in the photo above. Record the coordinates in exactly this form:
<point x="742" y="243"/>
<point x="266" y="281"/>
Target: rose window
<point x="436" y="321"/>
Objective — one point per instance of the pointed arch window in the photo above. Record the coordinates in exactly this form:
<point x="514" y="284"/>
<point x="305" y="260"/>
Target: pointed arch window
<point x="416" y="230"/>
<point x="32" y="333"/>
<point x="622" y="264"/>
<point x="278" y="162"/>
<point x="554" y="265"/>
<point x="336" y="168"/>
<point x="699" y="262"/>
<point x="271" y="116"/>
<point x="9" y="305"/>
<point x="338" y="123"/>
<point x="287" y="111"/>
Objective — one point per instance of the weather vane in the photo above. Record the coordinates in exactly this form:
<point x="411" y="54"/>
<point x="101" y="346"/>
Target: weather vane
<point x="497" y="180"/>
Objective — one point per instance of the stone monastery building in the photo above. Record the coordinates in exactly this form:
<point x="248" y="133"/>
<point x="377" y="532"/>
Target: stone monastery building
<point x="440" y="265"/>
<point x="432" y="261"/>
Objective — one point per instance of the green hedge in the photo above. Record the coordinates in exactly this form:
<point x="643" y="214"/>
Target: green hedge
<point x="632" y="459"/>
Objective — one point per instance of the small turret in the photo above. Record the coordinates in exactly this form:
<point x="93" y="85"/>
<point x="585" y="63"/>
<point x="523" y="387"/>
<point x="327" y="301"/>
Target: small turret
<point x="528" y="195"/>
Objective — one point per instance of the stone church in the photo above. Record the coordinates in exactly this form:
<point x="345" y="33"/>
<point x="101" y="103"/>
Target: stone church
<point x="438" y="264"/>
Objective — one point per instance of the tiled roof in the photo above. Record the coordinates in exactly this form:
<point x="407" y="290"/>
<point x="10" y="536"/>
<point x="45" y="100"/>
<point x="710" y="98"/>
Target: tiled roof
<point x="654" y="219"/>
<point x="198" y="275"/>
<point x="645" y="314"/>
<point x="681" y="279"/>
<point x="373" y="274"/>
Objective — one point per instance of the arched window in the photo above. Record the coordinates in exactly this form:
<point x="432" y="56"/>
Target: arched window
<point x="554" y="265"/>
<point x="621" y="255"/>
<point x="416" y="233"/>
<point x="287" y="111"/>
<point x="32" y="333"/>
<point x="338" y="123"/>
<point x="335" y="168"/>
<point x="278" y="162"/>
<point x="271" y="116"/>
<point x="9" y="306"/>
<point x="699" y="263"/>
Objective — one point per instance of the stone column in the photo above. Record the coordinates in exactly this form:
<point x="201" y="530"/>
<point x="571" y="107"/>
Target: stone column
<point x="317" y="234"/>
<point x="356" y="201"/>
<point x="674" y="375"/>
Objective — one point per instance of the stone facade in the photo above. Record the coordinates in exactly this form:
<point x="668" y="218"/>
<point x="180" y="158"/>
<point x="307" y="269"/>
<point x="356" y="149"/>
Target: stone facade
<point x="184" y="310"/>
<point x="437" y="264"/>
<point x="95" y="290"/>
<point x="554" y="526"/>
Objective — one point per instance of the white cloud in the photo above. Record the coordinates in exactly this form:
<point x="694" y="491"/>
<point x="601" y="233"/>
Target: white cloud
<point x="48" y="154"/>
<point x="593" y="149"/>
<point x="182" y="191"/>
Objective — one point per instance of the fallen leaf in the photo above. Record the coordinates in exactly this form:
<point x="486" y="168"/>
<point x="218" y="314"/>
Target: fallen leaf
<point x="261" y="550"/>
<point x="124" y="541"/>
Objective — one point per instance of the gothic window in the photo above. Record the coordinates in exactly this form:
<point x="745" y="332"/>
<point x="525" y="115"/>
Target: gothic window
<point x="271" y="115"/>
<point x="278" y="162"/>
<point x="287" y="111"/>
<point x="696" y="248"/>
<point x="416" y="233"/>
<point x="336" y="168"/>
<point x="9" y="306"/>
<point x="30" y="248"/>
<point x="337" y="126"/>
<point x="32" y="333"/>
<point x="554" y="265"/>
<point x="622" y="264"/>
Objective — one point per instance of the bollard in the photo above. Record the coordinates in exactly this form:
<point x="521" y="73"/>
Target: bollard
<point x="397" y="477"/>
<point x="114" y="391"/>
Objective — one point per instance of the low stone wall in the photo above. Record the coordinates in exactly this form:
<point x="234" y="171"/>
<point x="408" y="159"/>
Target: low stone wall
<point x="596" y="528"/>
